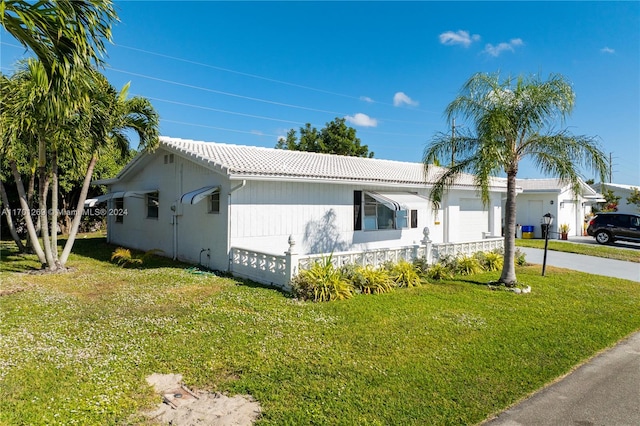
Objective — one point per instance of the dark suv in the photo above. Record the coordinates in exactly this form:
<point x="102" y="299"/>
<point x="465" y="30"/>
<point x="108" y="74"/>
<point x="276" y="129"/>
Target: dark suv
<point x="609" y="227"/>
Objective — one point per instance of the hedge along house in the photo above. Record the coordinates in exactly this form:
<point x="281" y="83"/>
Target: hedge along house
<point x="197" y="201"/>
<point x="541" y="196"/>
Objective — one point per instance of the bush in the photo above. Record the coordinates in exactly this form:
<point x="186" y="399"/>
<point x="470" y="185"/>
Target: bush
<point x="321" y="283"/>
<point x="123" y="257"/>
<point x="405" y="274"/>
<point x="421" y="265"/>
<point x="520" y="258"/>
<point x="468" y="265"/>
<point x="490" y="261"/>
<point x="439" y="272"/>
<point x="369" y="280"/>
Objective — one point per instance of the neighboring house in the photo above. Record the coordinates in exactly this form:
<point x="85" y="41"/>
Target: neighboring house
<point x="196" y="201"/>
<point x="541" y="196"/>
<point x="622" y="191"/>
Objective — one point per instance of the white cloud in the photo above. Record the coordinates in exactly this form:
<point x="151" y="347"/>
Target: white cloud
<point x="492" y="50"/>
<point x="607" y="50"/>
<point x="360" y="119"/>
<point x="366" y="99"/>
<point x="401" y="98"/>
<point x="459" y="37"/>
<point x="257" y="132"/>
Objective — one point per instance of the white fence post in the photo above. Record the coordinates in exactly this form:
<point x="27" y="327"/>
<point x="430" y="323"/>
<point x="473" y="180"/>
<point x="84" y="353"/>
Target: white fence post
<point x="291" y="260"/>
<point x="427" y="244"/>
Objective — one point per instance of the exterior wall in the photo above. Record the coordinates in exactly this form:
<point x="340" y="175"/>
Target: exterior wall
<point x="563" y="205"/>
<point x="183" y="234"/>
<point x="320" y="217"/>
<point x="466" y="219"/>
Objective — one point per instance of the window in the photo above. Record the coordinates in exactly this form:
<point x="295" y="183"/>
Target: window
<point x="414" y="218"/>
<point x="379" y="216"/>
<point x="152" y="205"/>
<point x="119" y="210"/>
<point x="214" y="202"/>
<point x="357" y="210"/>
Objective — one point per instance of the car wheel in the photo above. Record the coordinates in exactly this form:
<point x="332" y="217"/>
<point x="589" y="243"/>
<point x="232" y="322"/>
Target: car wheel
<point x="603" y="237"/>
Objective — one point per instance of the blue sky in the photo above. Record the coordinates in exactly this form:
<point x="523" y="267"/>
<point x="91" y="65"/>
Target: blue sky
<point x="245" y="73"/>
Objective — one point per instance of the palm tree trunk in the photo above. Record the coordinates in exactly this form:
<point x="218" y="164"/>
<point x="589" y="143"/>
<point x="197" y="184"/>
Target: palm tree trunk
<point x="10" y="224"/>
<point x="26" y="212"/>
<point x="54" y="206"/>
<point x="43" y="181"/>
<point x="508" y="276"/>
<point x="79" y="209"/>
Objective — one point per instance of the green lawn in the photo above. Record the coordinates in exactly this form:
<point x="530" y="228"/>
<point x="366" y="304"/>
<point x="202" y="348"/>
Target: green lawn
<point x="610" y="252"/>
<point x="76" y="347"/>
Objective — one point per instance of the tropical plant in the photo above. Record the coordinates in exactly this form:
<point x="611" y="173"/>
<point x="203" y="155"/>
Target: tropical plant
<point x="490" y="261"/>
<point x="321" y="283"/>
<point x="404" y="274"/>
<point x="634" y="197"/>
<point x="468" y="265"/>
<point x="564" y="228"/>
<point x="123" y="257"/>
<point x="511" y="118"/>
<point x="61" y="33"/>
<point x="370" y="280"/>
<point x="45" y="120"/>
<point x="439" y="271"/>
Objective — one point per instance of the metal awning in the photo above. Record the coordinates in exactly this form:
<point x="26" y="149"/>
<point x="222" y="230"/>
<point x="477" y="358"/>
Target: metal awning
<point x="401" y="200"/>
<point x="119" y="194"/>
<point x="194" y="197"/>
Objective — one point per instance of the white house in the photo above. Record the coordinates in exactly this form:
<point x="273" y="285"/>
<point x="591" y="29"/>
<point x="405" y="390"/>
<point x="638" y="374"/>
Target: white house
<point x="541" y="196"/>
<point x="198" y="201"/>
<point x="622" y="191"/>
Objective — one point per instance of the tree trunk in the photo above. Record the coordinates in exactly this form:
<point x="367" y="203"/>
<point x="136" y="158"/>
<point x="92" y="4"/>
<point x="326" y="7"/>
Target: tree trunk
<point x="10" y="224"/>
<point x="26" y="213"/>
<point x="79" y="210"/>
<point x="30" y="190"/>
<point x="508" y="276"/>
<point x="46" y="240"/>
<point x="54" y="207"/>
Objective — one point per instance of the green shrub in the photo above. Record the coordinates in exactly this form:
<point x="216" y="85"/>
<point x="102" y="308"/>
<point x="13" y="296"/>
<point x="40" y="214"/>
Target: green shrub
<point x="520" y="258"/>
<point x="492" y="261"/>
<point x="421" y="265"/>
<point x="321" y="283"/>
<point x="405" y="274"/>
<point x="468" y="265"/>
<point x="370" y="280"/>
<point x="123" y="257"/>
<point x="439" y="271"/>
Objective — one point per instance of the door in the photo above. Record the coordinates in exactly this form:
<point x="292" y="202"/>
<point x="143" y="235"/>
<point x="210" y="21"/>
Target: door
<point x="534" y="215"/>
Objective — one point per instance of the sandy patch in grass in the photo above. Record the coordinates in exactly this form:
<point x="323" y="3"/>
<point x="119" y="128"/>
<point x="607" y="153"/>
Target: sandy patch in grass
<point x="182" y="406"/>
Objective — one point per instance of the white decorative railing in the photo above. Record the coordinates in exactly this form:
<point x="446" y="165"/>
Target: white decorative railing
<point x="278" y="270"/>
<point x="261" y="267"/>
<point x="441" y="250"/>
<point x="374" y="257"/>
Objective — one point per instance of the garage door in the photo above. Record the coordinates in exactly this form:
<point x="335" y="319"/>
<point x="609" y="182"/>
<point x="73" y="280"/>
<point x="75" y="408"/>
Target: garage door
<point x="474" y="220"/>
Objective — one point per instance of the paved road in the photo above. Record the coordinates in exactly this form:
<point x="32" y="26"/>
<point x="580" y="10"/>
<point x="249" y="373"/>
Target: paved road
<point x="589" y="264"/>
<point x="604" y="391"/>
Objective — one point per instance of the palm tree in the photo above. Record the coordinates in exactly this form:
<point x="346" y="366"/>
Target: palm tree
<point x="78" y="118"/>
<point x="513" y="120"/>
<point x="61" y="33"/>
<point x="110" y="116"/>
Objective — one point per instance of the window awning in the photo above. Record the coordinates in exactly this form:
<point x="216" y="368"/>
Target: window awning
<point x="401" y="200"/>
<point x="194" y="197"/>
<point x="119" y="194"/>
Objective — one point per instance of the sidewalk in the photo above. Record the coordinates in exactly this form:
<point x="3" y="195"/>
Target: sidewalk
<point x="604" y="391"/>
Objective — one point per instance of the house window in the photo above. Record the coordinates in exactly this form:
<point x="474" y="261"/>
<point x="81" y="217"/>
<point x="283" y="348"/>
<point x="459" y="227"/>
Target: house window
<point x="379" y="216"/>
<point x="214" y="202"/>
<point x="357" y="210"/>
<point x="152" y="205"/>
<point x="414" y="218"/>
<point x="119" y="210"/>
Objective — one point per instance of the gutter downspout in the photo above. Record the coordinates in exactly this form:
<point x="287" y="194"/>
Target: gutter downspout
<point x="234" y="189"/>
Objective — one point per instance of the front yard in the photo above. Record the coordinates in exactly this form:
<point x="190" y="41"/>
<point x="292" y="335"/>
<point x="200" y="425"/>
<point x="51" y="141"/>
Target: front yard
<point x="76" y="347"/>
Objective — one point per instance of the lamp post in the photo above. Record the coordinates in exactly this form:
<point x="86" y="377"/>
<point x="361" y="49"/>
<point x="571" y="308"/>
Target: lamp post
<point x="547" y="220"/>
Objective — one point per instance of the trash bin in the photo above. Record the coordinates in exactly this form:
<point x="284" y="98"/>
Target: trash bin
<point x="527" y="231"/>
<point x="545" y="229"/>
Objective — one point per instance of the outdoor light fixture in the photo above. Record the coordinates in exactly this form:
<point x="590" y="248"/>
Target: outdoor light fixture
<point x="547" y="220"/>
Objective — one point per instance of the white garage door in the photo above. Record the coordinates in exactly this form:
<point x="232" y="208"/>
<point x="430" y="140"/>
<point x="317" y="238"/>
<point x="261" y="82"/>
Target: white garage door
<point x="474" y="220"/>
